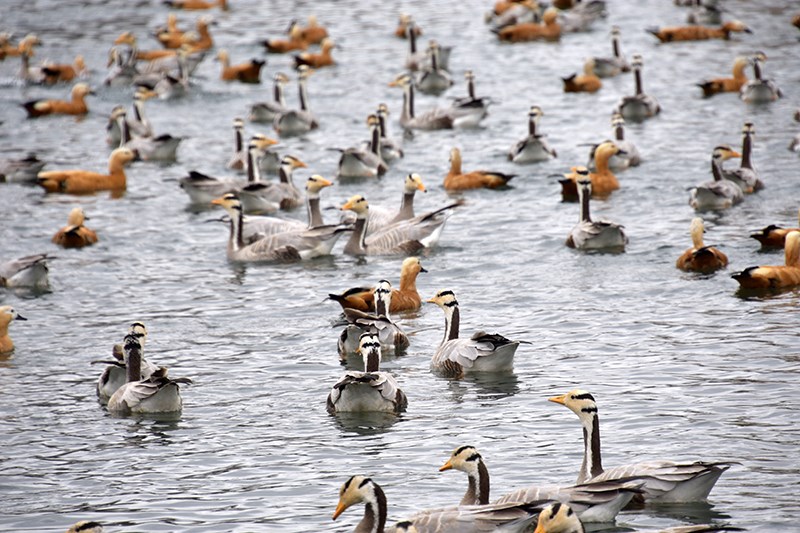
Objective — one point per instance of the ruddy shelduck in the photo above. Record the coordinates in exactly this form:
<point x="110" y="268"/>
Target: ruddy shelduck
<point x="196" y="5"/>
<point x="313" y="33"/>
<point x="85" y="181"/>
<point x="604" y="182"/>
<point x="7" y="314"/>
<point x="53" y="73"/>
<point x="323" y="59"/>
<point x="75" y="234"/>
<point x="404" y="298"/>
<point x="698" y="33"/>
<point x="775" y="277"/>
<point x="244" y="72"/>
<point x="548" y="30"/>
<point x="76" y="106"/>
<point x="773" y="236"/>
<point x="727" y="85"/>
<point x="588" y="82"/>
<point x="457" y="180"/>
<point x="282" y="46"/>
<point x="701" y="258"/>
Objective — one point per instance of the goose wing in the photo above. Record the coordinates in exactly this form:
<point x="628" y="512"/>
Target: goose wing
<point x="466" y="352"/>
<point x="476" y="518"/>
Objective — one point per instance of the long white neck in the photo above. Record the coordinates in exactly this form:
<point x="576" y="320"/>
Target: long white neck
<point x="452" y="319"/>
<point x="592" y="461"/>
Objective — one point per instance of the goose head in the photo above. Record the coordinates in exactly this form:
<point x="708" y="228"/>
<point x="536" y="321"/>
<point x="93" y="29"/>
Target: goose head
<point x="357" y="204"/>
<point x="262" y="142"/>
<point x="535" y="113"/>
<point x="617" y="120"/>
<point x="446" y="299"/>
<point x="579" y="402"/>
<point x="291" y="162"/>
<point x="355" y="490"/>
<point x="723" y="152"/>
<point x="403" y="80"/>
<point x="383" y="110"/>
<point x="304" y="71"/>
<point x="465" y="459"/>
<point x="748" y="129"/>
<point x="369" y="346"/>
<point x="636" y="61"/>
<point x="138" y="330"/>
<point x="316" y="183"/>
<point x="558" y="518"/>
<point x="383" y="297"/>
<point x="414" y="183"/>
<point x="86" y="526"/>
<point x="281" y="79"/>
<point x="230" y="202"/>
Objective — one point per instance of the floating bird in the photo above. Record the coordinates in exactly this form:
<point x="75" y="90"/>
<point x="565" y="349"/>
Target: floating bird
<point x="196" y="5"/>
<point x="161" y="148"/>
<point x="775" y="277"/>
<point x="7" y="314"/>
<point x="639" y="106"/>
<point x="588" y="82"/>
<point x="698" y="33"/>
<point x="30" y="271"/>
<point x="471" y="106"/>
<point x="433" y="79"/>
<point x="52" y="73"/>
<point x="406" y="24"/>
<point x="720" y="193"/>
<point x="773" y="236"/>
<point x="85" y="181"/>
<point x="594" y="235"/>
<point x="323" y="59"/>
<point x="282" y="46"/>
<point x="297" y="121"/>
<point x="534" y="146"/>
<point x="380" y="218"/>
<point x="392" y="338"/>
<point x="727" y="85"/>
<point x="313" y="33"/>
<point x="434" y="119"/>
<point x="75" y="234"/>
<point x="77" y="106"/>
<point x="483" y="352"/>
<point x="405" y="298"/>
<point x="386" y="241"/>
<point x="457" y="180"/>
<point x="607" y="67"/>
<point x="245" y="72"/>
<point x="604" y="182"/>
<point x="267" y="111"/>
<point x="664" y="481"/>
<point x="22" y="170"/>
<point x="115" y="375"/>
<point x="628" y="155"/>
<point x="364" y="161"/>
<point x="86" y="526"/>
<point x="260" y="197"/>
<point x="759" y="90"/>
<point x="391" y="148"/>
<point x="548" y="30"/>
<point x="701" y="258"/>
<point x="746" y="176"/>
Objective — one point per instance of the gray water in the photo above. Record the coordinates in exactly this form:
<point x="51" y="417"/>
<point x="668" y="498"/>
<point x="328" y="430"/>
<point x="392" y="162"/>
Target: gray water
<point x="682" y="366"/>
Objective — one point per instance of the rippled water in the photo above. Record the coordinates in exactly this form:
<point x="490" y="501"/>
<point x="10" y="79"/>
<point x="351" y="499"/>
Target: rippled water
<point x="682" y="367"/>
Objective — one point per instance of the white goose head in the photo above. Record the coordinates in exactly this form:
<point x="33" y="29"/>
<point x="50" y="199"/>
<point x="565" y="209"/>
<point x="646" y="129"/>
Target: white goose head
<point x="579" y="402"/>
<point x="369" y="346"/>
<point x="558" y="518"/>
<point x="357" y="204"/>
<point x="316" y="183"/>
<point x="414" y="183"/>
<point x="360" y="489"/>
<point x="446" y="299"/>
<point x="138" y="330"/>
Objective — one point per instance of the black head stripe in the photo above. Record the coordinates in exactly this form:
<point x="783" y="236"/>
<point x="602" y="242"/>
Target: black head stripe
<point x="458" y="451"/>
<point x="445" y="293"/>
<point x="474" y="457"/>
<point x="556" y="508"/>
<point x="584" y="396"/>
<point x="366" y="480"/>
<point x="451" y="303"/>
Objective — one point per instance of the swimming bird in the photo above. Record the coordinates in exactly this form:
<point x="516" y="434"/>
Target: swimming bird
<point x="381" y="217"/>
<point x="115" y="375"/>
<point x="746" y="176"/>
<point x="297" y="121"/>
<point x="313" y="32"/>
<point x="137" y="120"/>
<point x="86" y="526"/>
<point x="588" y="82"/>
<point x="7" y="314"/>
<point x="361" y="161"/>
<point x="548" y="30"/>
<point x="319" y="60"/>
<point x="238" y="160"/>
<point x="433" y="79"/>
<point x="698" y="33"/>
<point x="509" y="517"/>
<point x="406" y="24"/>
<point x="30" y="271"/>
<point x="581" y="15"/>
<point x="607" y="67"/>
<point x="391" y="336"/>
<point x="395" y="239"/>
<point x="85" y="181"/>
<point x="75" y="234"/>
<point x="267" y="111"/>
<point x="249" y="72"/>
<point x="156" y="394"/>
<point x="759" y="90"/>
<point x="775" y="277"/>
<point x="628" y="155"/>
<point x="457" y="180"/>
<point x="391" y="148"/>
<point x="434" y="119"/>
<point x="52" y="73"/>
<point x="161" y="148"/>
<point x="727" y="85"/>
<point x="534" y="147"/>
<point x="470" y="109"/>
<point x="77" y="106"/>
<point x="417" y="60"/>
<point x="511" y="12"/>
<point x="664" y="481"/>
<point x="719" y="193"/>
<point x="639" y="106"/>
<point x="282" y="46"/>
<point x="594" y="235"/>
<point x="483" y="352"/>
<point x="370" y="390"/>
<point x="603" y="180"/>
<point x="196" y="5"/>
<point x="260" y="197"/>
<point x="24" y="170"/>
<point x="404" y="298"/>
<point x="701" y="258"/>
<point x="773" y="236"/>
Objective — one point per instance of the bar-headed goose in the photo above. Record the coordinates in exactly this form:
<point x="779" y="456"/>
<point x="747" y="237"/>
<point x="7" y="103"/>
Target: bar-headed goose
<point x="434" y="119"/>
<point x="115" y="374"/>
<point x="664" y="481"/>
<point x="630" y="156"/>
<point x="467" y="519"/>
<point x="433" y="79"/>
<point x="720" y="193"/>
<point x="533" y="147"/>
<point x="137" y="120"/>
<point x="604" y="182"/>
<point x="267" y="111"/>
<point x="385" y="242"/>
<point x="262" y="197"/>
<point x="759" y="90"/>
<point x="727" y="85"/>
<point x="29" y="271"/>
<point x="746" y="176"/>
<point x="86" y="526"/>
<point x="381" y="217"/>
<point x="773" y="236"/>
<point x="161" y="148"/>
<point x="639" y="106"/>
<point x="457" y="180"/>
<point x="370" y="390"/>
<point x="701" y="258"/>
<point x="238" y="160"/>
<point x="775" y="277"/>
<point x="405" y="298"/>
<point x="24" y="170"/>
<point x="391" y="148"/>
<point x="76" y="106"/>
<point x="390" y="335"/>
<point x="364" y="161"/>
<point x="7" y="314"/>
<point x="75" y="234"/>
<point x="468" y="460"/>
<point x="85" y="181"/>
<point x="297" y="121"/>
<point x="483" y="352"/>
<point x="607" y="67"/>
<point x="287" y="246"/>
<point x="470" y="109"/>
<point x="156" y="394"/>
<point x="594" y="235"/>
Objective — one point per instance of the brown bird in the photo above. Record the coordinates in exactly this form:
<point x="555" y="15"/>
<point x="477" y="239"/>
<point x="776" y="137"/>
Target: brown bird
<point x="773" y="236"/>
<point x="405" y="24"/>
<point x="456" y="180"/>
<point x="698" y="33"/>
<point x="129" y="39"/>
<point x="603" y="180"/>
<point x="588" y="82"/>
<point x="322" y="59"/>
<point x="404" y="298"/>
<point x="281" y="46"/>
<point x="244" y="72"/>
<point x="727" y="85"/>
<point x="53" y="73"/>
<point x="85" y="181"/>
<point x="313" y="33"/>
<point x="775" y="277"/>
<point x="196" y="5"/>
<point x="75" y="234"/>
<point x="77" y="106"/>
<point x="701" y="258"/>
<point x="25" y="46"/>
<point x="7" y="314"/>
<point x="548" y="30"/>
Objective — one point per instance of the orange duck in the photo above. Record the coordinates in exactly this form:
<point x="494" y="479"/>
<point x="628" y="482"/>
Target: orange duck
<point x="548" y="30"/>
<point x="405" y="298"/>
<point x="282" y="46"/>
<point x="456" y="180"/>
<point x="322" y="59"/>
<point x="603" y="180"/>
<point x="196" y="5"/>
<point x="245" y="72"/>
<point x="773" y="236"/>
<point x="727" y="85"/>
<point x="701" y="258"/>
<point x="85" y="181"/>
<point x="129" y="39"/>
<point x="77" y="106"/>
<point x="25" y="46"/>
<point x="588" y="82"/>
<point x="313" y="33"/>
<point x="775" y="277"/>
<point x="53" y="73"/>
<point x="75" y="234"/>
<point x="698" y="33"/>
<point x="404" y="24"/>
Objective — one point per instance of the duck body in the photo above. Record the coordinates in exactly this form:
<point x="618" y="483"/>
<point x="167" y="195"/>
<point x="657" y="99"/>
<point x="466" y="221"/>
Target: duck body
<point x="76" y="106"/>
<point x="53" y="73"/>
<point x="249" y="72"/>
<point x="267" y="111"/>
<point x="548" y="30"/>
<point x="603" y="180"/>
<point x="29" y="271"/>
<point x="456" y="180"/>
<point x="84" y="181"/>
<point x="773" y="236"/>
<point x="733" y="84"/>
<point x="588" y="82"/>
<point x="404" y="298"/>
<point x="608" y="67"/>
<point x="701" y="258"/>
<point x="75" y="234"/>
<point x="775" y="277"/>
<point x="698" y="33"/>
<point x="323" y="59"/>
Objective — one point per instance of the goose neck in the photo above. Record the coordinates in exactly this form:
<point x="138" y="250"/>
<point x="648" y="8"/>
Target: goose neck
<point x="134" y="364"/>
<point x="478" y="486"/>
<point x="619" y="132"/>
<point x="374" y="520"/>
<point x="314" y="211"/>
<point x="372" y="362"/>
<point x="302" y="94"/>
<point x="747" y="150"/>
<point x="253" y="172"/>
<point x="452" y="319"/>
<point x="637" y="76"/>
<point x="277" y="93"/>
<point x="584" y="197"/>
<point x="615" y="47"/>
<point x="375" y="145"/>
<point x="532" y="126"/>
<point x="592" y="463"/>
<point x="407" y="208"/>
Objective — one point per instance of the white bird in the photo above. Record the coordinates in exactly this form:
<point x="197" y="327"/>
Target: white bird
<point x="115" y="374"/>
<point x="297" y="121"/>
<point x="364" y="161"/>
<point x="719" y="193"/>
<point x="533" y="147"/>
<point x="390" y="335"/>
<point x="483" y="352"/>
<point x="433" y="79"/>
<point x="470" y="109"/>
<point x="639" y="106"/>
<point x="265" y="197"/>
<point x="593" y="235"/>
<point x="664" y="481"/>
<point x="607" y="67"/>
<point x="759" y="90"/>
<point x="370" y="390"/>
<point x="267" y="111"/>
<point x="434" y="119"/>
<point x="381" y="217"/>
<point x="29" y="271"/>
